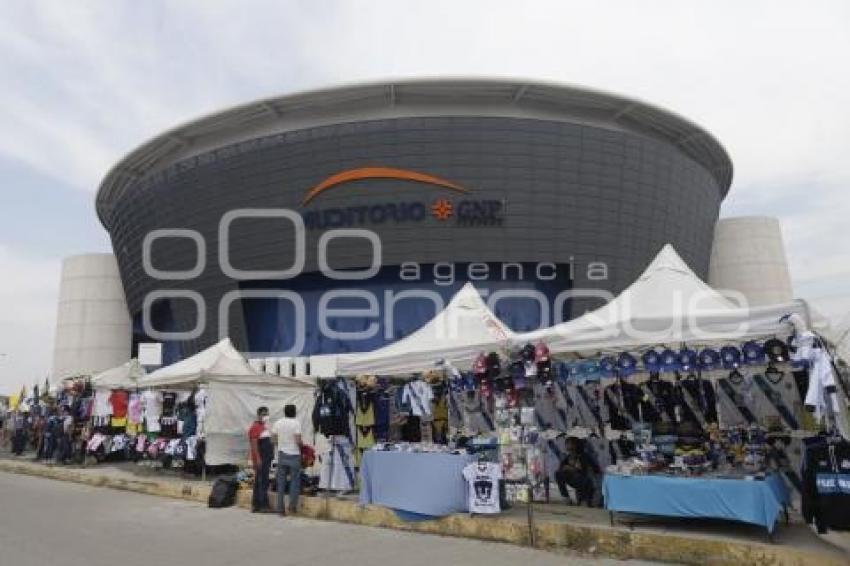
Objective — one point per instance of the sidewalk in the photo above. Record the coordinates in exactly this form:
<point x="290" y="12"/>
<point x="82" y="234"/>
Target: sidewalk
<point x="557" y="527"/>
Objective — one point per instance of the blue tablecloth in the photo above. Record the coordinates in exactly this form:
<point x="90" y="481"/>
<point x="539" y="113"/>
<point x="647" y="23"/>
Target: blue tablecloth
<point x="428" y="484"/>
<point x="749" y="501"/>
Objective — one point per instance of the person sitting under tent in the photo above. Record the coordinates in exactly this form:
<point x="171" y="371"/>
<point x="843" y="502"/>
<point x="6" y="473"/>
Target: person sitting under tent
<point x="576" y="471"/>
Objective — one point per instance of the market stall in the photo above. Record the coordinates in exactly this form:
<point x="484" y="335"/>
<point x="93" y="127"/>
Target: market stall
<point x="736" y="499"/>
<point x="704" y="398"/>
<point x="405" y="416"/>
<point x="231" y="392"/>
<point x="232" y="405"/>
<point x="670" y="380"/>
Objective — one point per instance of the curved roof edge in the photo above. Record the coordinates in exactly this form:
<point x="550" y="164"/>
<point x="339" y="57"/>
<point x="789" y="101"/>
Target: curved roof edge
<point x="413" y="98"/>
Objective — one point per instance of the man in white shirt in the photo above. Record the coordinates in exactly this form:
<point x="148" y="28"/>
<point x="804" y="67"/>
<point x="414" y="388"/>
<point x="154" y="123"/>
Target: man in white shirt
<point x="288" y="434"/>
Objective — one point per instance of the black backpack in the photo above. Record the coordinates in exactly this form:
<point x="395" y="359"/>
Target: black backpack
<point x="223" y="492"/>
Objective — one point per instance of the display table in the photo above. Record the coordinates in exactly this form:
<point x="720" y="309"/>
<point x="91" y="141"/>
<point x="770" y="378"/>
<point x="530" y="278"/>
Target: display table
<point x="749" y="501"/>
<point x="422" y="483"/>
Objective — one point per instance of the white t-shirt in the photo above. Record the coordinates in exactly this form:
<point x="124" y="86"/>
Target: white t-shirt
<point x="102" y="406"/>
<point x="153" y="409"/>
<point x="153" y="404"/>
<point x="821" y="374"/>
<point x="286" y="429"/>
<point x="482" y="479"/>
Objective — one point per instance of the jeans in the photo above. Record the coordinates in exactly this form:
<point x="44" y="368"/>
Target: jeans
<point x="288" y="464"/>
<point x="260" y="499"/>
<point x="49" y="445"/>
<point x="63" y="454"/>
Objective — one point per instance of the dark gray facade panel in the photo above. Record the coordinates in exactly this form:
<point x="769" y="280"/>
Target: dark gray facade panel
<point x="572" y="193"/>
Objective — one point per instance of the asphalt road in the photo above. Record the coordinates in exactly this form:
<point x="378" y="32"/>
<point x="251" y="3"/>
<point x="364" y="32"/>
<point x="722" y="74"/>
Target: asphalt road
<point x="51" y="522"/>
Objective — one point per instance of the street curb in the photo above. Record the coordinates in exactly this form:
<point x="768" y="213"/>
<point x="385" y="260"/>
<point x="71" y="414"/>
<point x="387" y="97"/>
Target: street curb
<point x="599" y="541"/>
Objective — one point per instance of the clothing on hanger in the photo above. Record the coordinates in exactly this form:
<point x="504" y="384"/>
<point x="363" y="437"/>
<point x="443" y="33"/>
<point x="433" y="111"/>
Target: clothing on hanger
<point x="826" y="484"/>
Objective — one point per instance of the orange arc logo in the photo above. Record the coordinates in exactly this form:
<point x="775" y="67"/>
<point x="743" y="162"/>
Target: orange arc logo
<point x="378" y="173"/>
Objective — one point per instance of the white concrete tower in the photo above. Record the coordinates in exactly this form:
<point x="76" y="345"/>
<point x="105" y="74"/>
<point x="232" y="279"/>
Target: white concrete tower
<point x="748" y="256"/>
<point x="93" y="329"/>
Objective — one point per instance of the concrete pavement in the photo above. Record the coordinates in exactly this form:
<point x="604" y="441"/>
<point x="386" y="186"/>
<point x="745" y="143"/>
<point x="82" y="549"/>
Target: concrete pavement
<point x="558" y="528"/>
<point x="46" y="522"/>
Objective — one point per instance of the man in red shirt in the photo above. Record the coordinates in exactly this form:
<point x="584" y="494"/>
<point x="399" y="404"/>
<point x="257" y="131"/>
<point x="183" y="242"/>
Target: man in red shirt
<point x="262" y="454"/>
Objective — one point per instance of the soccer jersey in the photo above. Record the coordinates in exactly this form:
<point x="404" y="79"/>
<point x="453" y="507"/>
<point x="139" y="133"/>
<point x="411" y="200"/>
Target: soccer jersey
<point x="119" y="400"/>
<point x="483" y="481"/>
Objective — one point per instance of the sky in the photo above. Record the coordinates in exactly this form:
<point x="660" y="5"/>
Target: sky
<point x="85" y="82"/>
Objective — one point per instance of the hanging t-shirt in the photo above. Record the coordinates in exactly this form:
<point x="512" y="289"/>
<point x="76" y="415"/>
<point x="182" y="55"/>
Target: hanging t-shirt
<point x="201" y="409"/>
<point x="332" y="410"/>
<point x="169" y="403"/>
<point x="135" y="409"/>
<point x="119" y="401"/>
<point x="419" y="395"/>
<point x="102" y="408"/>
<point x="364" y="409"/>
<point x="152" y="401"/>
<point x="482" y="479"/>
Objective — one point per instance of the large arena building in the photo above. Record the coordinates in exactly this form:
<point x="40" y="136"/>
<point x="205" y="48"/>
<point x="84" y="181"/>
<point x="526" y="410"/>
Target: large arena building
<point x="524" y="188"/>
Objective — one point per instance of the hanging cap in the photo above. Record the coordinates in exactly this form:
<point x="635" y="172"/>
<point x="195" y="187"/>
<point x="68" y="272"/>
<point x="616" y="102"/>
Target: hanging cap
<point x="479" y="366"/>
<point x="541" y="353"/>
<point x="776" y="350"/>
<point x="753" y="352"/>
<point x="651" y="361"/>
<point x="517" y="369"/>
<point x="670" y="361"/>
<point x="588" y="369"/>
<point x="607" y="366"/>
<point x="688" y="359"/>
<point x="730" y="357"/>
<point x="709" y="359"/>
<point x="627" y="363"/>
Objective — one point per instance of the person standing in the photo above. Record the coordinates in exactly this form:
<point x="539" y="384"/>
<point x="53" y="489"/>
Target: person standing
<point x="288" y="431"/>
<point x="262" y="454"/>
<point x="50" y="434"/>
<point x="39" y="426"/>
<point x="19" y="438"/>
<point x="66" y="439"/>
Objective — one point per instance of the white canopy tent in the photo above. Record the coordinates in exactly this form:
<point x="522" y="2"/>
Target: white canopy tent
<point x="667" y="304"/>
<point x="457" y="334"/>
<point x="232" y="405"/>
<point x="125" y="376"/>
<point x="219" y="360"/>
<point x="235" y="392"/>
